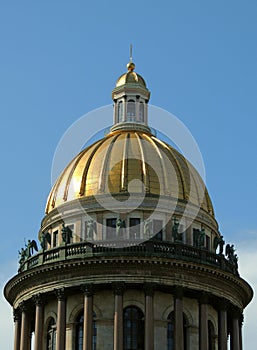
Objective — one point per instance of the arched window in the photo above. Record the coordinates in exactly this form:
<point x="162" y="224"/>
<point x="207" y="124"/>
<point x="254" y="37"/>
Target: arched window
<point x="94" y="331"/>
<point x="133" y="328"/>
<point x="131" y="110"/>
<point x="51" y="335"/>
<point x="141" y="112"/>
<point x="171" y="329"/>
<point x="80" y="332"/>
<point x="211" y="336"/>
<point x="120" y="111"/>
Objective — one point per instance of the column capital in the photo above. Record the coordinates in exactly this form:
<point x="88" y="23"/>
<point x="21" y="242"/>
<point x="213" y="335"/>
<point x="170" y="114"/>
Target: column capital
<point x="16" y="315"/>
<point x="236" y="313"/>
<point x="60" y="294"/>
<point x="38" y="299"/>
<point x="149" y="288"/>
<point x="118" y="287"/>
<point x="223" y="304"/>
<point x="178" y="292"/>
<point x="203" y="298"/>
<point x="23" y="306"/>
<point x="88" y="289"/>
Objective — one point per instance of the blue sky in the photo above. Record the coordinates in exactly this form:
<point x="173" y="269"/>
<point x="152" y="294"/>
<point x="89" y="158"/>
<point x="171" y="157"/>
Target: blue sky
<point x="60" y="59"/>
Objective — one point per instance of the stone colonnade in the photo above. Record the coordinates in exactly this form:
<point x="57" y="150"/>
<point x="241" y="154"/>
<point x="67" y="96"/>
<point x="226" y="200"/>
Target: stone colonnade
<point x="22" y="334"/>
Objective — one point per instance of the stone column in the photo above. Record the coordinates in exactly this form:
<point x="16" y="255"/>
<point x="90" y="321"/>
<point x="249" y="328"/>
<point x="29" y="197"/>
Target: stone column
<point x="223" y="328"/>
<point x="235" y="332"/>
<point x="61" y="320"/>
<point x="17" y="329"/>
<point x="178" y="319"/>
<point x="24" y="341"/>
<point x="149" y="316"/>
<point x="88" y="317"/>
<point x="203" y="322"/>
<point x="240" y="331"/>
<point x="39" y="322"/>
<point x="118" y="315"/>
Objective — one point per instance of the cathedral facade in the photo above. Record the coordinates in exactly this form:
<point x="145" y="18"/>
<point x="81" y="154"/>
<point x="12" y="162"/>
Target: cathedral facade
<point x="130" y="255"/>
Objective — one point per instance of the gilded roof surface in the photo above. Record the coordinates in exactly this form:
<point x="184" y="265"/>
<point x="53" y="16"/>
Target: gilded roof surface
<point x="129" y="161"/>
<point x="130" y="77"/>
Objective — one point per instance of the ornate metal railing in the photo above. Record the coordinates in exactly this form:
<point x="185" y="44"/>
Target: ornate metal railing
<point x="117" y="248"/>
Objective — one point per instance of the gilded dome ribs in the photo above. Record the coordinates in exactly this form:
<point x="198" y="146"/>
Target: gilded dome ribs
<point x="185" y="186"/>
<point x="104" y="168"/>
<point x="84" y="175"/>
<point x="180" y="176"/>
<point x="165" y="185"/>
<point x="145" y="175"/>
<point x="56" y="188"/>
<point x="124" y="168"/>
<point x="67" y="186"/>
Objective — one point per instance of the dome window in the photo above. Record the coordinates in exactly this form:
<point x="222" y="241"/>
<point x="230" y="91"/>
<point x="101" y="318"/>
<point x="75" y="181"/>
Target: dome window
<point x="141" y="112"/>
<point x="131" y="110"/>
<point x="120" y="111"/>
<point x="134" y="228"/>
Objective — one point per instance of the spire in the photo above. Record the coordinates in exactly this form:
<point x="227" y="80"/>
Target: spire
<point x="131" y="66"/>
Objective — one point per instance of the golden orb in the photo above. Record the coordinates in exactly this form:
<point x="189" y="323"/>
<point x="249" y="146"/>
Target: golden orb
<point x="131" y="66"/>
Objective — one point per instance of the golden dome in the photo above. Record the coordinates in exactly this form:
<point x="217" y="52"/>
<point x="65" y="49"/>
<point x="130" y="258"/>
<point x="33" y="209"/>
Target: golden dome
<point x="131" y="161"/>
<point x="130" y="77"/>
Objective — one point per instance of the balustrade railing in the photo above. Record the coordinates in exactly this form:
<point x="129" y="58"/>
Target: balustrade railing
<point x="139" y="248"/>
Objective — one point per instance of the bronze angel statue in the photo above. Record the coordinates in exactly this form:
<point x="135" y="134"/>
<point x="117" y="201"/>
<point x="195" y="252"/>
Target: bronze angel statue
<point x="44" y="239"/>
<point x="30" y="247"/>
<point x="219" y="242"/>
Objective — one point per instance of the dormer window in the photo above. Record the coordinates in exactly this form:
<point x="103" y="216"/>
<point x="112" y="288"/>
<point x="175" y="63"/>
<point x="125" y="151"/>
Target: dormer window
<point x="131" y="110"/>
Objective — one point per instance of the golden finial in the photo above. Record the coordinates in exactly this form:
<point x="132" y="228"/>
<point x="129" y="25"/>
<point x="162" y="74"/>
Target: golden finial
<point x="130" y="65"/>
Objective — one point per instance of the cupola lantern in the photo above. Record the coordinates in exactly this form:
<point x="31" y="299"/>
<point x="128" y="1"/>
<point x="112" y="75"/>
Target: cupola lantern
<point x="130" y="98"/>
